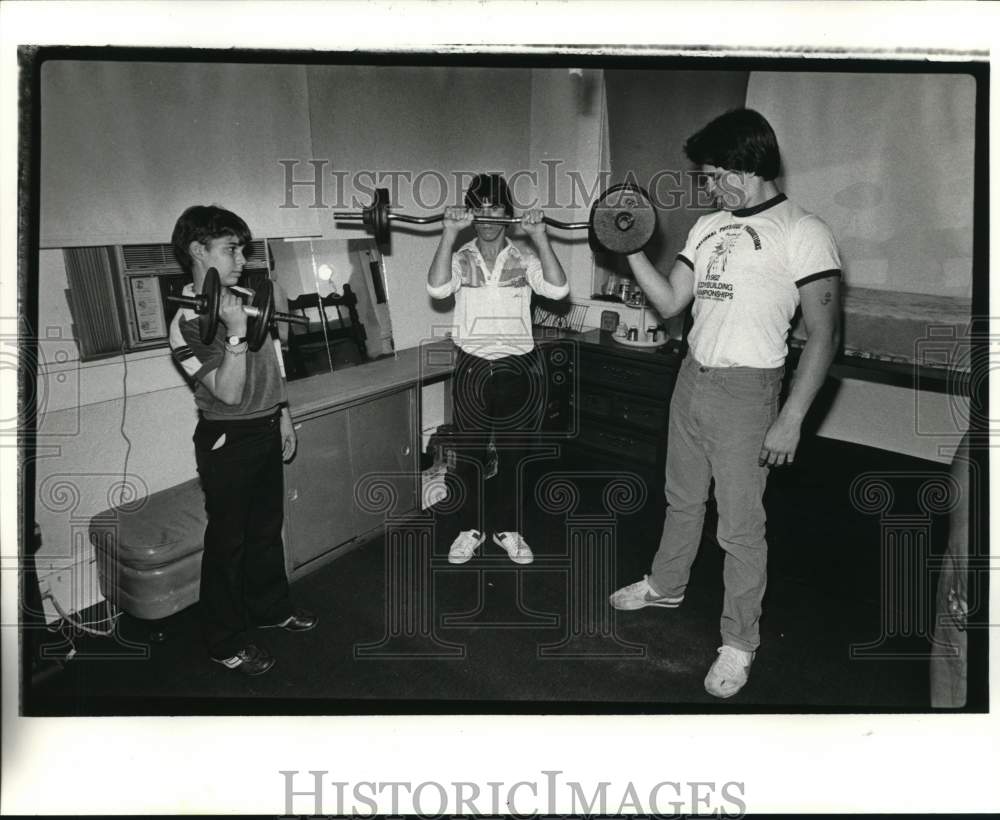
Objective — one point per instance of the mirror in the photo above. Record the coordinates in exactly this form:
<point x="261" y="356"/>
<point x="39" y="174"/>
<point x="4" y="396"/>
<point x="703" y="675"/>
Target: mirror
<point x="339" y="288"/>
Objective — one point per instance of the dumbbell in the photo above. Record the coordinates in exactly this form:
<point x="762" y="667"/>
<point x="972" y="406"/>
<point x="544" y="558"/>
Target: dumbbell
<point x="622" y="219"/>
<point x="261" y="314"/>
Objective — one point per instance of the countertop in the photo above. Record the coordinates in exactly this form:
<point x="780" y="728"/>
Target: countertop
<point x="426" y="364"/>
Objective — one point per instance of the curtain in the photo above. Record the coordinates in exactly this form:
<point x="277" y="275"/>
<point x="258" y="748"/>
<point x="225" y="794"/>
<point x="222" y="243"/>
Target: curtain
<point x="887" y="161"/>
<point x="127" y="146"/>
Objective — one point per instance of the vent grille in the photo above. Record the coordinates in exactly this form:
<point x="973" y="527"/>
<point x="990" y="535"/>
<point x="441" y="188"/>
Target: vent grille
<point x="160" y="257"/>
<point x="149" y="257"/>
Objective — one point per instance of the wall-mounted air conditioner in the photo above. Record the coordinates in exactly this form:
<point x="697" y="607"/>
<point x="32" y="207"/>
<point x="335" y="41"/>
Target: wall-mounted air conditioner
<point x="150" y="274"/>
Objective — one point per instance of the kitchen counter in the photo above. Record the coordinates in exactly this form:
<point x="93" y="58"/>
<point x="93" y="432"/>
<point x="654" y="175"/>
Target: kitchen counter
<point x="425" y="364"/>
<point x="429" y="363"/>
<point x="605" y="341"/>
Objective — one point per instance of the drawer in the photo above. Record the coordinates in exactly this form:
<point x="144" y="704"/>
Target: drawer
<point x="639" y="412"/>
<point x="623" y="444"/>
<point x="596" y="402"/>
<point x="652" y="378"/>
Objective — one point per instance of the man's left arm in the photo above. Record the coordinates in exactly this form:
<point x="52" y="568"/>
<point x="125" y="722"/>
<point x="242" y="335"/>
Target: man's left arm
<point x="289" y="440"/>
<point x="820" y="302"/>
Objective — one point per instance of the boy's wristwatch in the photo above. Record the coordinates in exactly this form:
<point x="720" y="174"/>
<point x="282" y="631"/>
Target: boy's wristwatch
<point x="232" y="341"/>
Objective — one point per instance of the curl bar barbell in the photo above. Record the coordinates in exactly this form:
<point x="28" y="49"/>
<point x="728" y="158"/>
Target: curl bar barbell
<point x="261" y="314"/>
<point x="622" y="219"/>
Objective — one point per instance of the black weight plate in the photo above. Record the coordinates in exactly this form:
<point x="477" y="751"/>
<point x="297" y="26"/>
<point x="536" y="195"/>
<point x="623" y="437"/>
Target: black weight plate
<point x="208" y="318"/>
<point x="623" y="219"/>
<point x="258" y="326"/>
<point x="381" y="225"/>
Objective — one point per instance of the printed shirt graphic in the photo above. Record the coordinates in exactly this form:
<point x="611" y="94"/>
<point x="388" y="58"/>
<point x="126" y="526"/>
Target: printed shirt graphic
<point x="748" y="266"/>
<point x="493" y="307"/>
<point x="264" y="388"/>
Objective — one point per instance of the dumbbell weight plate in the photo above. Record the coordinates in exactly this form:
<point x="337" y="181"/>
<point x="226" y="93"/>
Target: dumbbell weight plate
<point x="259" y="326"/>
<point x="622" y="220"/>
<point x="208" y="320"/>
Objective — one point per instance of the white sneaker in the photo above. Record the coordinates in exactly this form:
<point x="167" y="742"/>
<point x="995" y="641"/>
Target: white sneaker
<point x="729" y="673"/>
<point x="640" y="594"/>
<point x="465" y="546"/>
<point x="517" y="548"/>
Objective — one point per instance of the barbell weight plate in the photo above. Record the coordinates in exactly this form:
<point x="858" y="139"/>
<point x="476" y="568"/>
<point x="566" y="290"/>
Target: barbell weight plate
<point x="208" y="319"/>
<point x="381" y="217"/>
<point x="622" y="219"/>
<point x="259" y="326"/>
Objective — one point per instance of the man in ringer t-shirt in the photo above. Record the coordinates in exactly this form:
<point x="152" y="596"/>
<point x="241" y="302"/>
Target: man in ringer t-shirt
<point x="747" y="267"/>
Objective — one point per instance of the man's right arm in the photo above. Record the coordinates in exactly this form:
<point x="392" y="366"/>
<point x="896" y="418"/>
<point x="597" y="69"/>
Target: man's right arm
<point x="226" y="382"/>
<point x="668" y="294"/>
<point x="440" y="272"/>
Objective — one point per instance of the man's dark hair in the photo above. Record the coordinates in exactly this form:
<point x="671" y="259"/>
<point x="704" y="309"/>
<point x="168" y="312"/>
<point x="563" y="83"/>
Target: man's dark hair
<point x="490" y="188"/>
<point x="739" y="140"/>
<point x="203" y="223"/>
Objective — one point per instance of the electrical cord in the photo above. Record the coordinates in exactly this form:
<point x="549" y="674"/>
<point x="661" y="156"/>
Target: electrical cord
<point x="112" y="612"/>
<point x="112" y="616"/>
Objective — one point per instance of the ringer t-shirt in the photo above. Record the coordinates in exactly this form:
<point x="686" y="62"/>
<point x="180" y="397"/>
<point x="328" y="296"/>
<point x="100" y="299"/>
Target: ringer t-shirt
<point x="493" y="307"/>
<point x="264" y="388"/>
<point x="748" y="265"/>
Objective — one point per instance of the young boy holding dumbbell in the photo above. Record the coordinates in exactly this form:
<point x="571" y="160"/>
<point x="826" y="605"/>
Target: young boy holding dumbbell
<point x="492" y="280"/>
<point x="244" y="433"/>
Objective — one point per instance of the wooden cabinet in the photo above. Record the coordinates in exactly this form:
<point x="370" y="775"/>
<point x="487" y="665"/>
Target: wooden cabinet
<point x="335" y="486"/>
<point x="623" y="399"/>
<point x="384" y="453"/>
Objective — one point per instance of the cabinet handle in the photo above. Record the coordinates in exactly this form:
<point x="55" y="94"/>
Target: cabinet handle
<point x="406" y="449"/>
<point x="297" y="426"/>
<point x="293" y="494"/>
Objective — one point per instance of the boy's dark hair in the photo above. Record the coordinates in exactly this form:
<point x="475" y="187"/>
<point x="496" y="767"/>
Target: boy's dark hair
<point x="739" y="140"/>
<point x="490" y="188"/>
<point x="203" y="223"/>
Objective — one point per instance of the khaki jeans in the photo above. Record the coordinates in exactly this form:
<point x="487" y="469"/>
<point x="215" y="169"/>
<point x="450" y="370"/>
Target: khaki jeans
<point x="718" y="419"/>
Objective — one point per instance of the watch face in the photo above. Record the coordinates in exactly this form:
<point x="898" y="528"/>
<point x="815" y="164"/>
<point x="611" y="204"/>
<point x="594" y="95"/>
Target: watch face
<point x="234" y="340"/>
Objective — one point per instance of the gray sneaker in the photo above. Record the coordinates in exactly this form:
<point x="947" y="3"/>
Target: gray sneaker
<point x="640" y="594"/>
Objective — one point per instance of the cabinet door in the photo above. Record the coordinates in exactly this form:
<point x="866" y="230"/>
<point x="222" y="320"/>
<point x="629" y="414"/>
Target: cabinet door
<point x="383" y="439"/>
<point x="319" y="485"/>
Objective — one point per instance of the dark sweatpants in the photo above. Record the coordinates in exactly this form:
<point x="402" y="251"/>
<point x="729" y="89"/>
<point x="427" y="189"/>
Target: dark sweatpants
<point x="243" y="581"/>
<point x="502" y="399"/>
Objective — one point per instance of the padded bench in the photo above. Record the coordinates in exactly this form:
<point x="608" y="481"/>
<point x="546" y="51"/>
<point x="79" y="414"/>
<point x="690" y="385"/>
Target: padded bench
<point x="149" y="555"/>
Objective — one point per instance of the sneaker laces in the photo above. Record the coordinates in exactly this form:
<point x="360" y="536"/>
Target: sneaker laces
<point x="467" y="542"/>
<point x="514" y="541"/>
<point x="730" y="664"/>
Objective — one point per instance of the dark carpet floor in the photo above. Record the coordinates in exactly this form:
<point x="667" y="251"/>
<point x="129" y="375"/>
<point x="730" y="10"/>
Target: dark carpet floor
<point x="499" y="638"/>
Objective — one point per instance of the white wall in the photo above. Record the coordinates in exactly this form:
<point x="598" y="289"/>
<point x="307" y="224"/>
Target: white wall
<point x="567" y="127"/>
<point x="421" y="122"/>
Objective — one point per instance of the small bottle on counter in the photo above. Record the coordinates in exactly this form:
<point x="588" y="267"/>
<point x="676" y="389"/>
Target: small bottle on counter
<point x="633" y="334"/>
<point x="622" y="331"/>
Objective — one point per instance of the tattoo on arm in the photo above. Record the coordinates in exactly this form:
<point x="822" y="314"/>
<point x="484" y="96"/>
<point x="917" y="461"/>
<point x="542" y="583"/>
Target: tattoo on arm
<point x="827" y="297"/>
